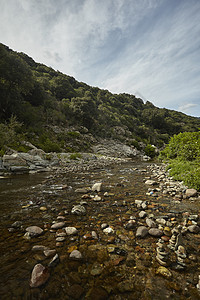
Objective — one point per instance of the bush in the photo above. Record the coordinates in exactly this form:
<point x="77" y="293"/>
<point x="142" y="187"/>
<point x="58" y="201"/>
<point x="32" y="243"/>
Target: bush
<point x="150" y="151"/>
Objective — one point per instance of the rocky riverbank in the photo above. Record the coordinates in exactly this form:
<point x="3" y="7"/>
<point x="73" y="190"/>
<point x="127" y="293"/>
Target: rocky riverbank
<point x="120" y="232"/>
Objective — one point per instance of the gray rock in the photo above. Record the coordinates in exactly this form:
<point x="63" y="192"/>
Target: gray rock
<point x="142" y="214"/>
<point x="141" y="232"/>
<point x="78" y="210"/>
<point x="191" y="193"/>
<point x="58" y="225"/>
<point x="150" y="182"/>
<point x="76" y="255"/>
<point x="150" y="223"/>
<point x="39" y="276"/>
<point x="71" y="230"/>
<point x="49" y="253"/>
<point x="81" y="190"/>
<point x="54" y="261"/>
<point x="194" y="228"/>
<point x="97" y="187"/>
<point x="17" y="224"/>
<point x="34" y="231"/>
<point x="155" y="232"/>
<point x="39" y="248"/>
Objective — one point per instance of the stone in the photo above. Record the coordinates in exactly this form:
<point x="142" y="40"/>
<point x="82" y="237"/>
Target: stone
<point x="150" y="182"/>
<point x="97" y="187"/>
<point x="163" y="272"/>
<point x="142" y="214"/>
<point x="76" y="255"/>
<point x="141" y="232"/>
<point x="150" y="223"/>
<point x="34" y="231"/>
<point x="97" y="198"/>
<point x="39" y="248"/>
<point x="54" y="261"/>
<point x="191" y="193"/>
<point x="43" y="208"/>
<point x="49" y="253"/>
<point x="194" y="228"/>
<point x="78" y="210"/>
<point x="60" y="239"/>
<point x="75" y="291"/>
<point x="108" y="230"/>
<point x="71" y="230"/>
<point x="16" y="224"/>
<point x="81" y="191"/>
<point x="39" y="276"/>
<point x="155" y="232"/>
<point x="58" y="225"/>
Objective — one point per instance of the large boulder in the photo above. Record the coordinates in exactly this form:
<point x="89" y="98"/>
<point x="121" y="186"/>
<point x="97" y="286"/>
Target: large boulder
<point x="13" y="160"/>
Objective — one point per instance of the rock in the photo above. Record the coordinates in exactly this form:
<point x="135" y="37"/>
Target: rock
<point x="141" y="232"/>
<point x="39" y="275"/>
<point x="97" y="187"/>
<point x="142" y="214"/>
<point x="155" y="232"/>
<point x="191" y="193"/>
<point x="39" y="248"/>
<point x="150" y="223"/>
<point x="97" y="198"/>
<point x="150" y="182"/>
<point x="71" y="230"/>
<point x="58" y="225"/>
<point x="17" y="224"/>
<point x="104" y="225"/>
<point x="108" y="230"/>
<point x="34" y="231"/>
<point x="76" y="255"/>
<point x="164" y="272"/>
<point x="194" y="228"/>
<point x="49" y="253"/>
<point x="81" y="191"/>
<point x="96" y="269"/>
<point x="78" y="210"/>
<point x="54" y="261"/>
<point x="126" y="286"/>
<point x="43" y="208"/>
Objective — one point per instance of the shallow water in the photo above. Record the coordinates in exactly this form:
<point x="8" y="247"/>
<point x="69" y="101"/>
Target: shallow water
<point x="115" y="278"/>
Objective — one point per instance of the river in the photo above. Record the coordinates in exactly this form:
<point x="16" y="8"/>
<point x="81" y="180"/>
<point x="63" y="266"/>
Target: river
<point x="116" y="266"/>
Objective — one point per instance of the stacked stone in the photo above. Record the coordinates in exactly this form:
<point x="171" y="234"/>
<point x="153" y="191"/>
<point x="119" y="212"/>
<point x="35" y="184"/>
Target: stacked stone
<point x="162" y="254"/>
<point x="172" y="241"/>
<point x="181" y="256"/>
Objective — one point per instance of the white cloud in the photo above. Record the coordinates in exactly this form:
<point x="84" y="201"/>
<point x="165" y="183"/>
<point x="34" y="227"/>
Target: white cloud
<point x="148" y="47"/>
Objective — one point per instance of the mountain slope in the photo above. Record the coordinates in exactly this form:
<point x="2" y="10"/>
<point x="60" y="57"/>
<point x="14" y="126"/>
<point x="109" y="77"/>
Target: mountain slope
<point x="43" y="99"/>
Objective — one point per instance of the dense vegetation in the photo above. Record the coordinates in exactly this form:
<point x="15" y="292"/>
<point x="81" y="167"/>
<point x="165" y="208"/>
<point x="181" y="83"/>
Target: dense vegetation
<point x="56" y="112"/>
<point x="183" y="155"/>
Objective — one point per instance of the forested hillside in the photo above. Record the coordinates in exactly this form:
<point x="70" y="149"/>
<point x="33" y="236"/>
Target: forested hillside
<point x="53" y="110"/>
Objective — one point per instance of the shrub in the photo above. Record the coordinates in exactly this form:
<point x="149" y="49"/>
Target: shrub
<point x="150" y="151"/>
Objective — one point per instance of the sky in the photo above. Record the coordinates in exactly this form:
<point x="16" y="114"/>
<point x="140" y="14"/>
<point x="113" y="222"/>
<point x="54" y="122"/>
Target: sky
<point x="148" y="48"/>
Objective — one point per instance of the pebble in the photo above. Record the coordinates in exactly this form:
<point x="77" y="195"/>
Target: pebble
<point x="97" y="187"/>
<point x="155" y="232"/>
<point x="142" y="214"/>
<point x="39" y="248"/>
<point x="108" y="230"/>
<point x="76" y="255"/>
<point x="71" y="230"/>
<point x="54" y="261"/>
<point x="58" y="225"/>
<point x="150" y="223"/>
<point x="78" y="210"/>
<point x="49" y="253"/>
<point x="141" y="232"/>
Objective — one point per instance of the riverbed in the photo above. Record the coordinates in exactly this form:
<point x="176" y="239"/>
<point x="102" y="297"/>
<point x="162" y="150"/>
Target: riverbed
<point x="114" y="265"/>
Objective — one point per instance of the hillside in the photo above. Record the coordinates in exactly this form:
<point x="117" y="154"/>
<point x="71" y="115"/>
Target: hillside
<point x="57" y="113"/>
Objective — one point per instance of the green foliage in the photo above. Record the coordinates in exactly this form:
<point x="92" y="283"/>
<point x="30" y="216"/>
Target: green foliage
<point x="41" y="97"/>
<point x="73" y="134"/>
<point x="183" y="154"/>
<point x="150" y="151"/>
<point x="75" y="156"/>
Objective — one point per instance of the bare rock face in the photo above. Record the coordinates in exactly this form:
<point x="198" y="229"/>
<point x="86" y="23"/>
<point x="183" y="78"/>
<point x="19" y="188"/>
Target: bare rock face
<point x="39" y="275"/>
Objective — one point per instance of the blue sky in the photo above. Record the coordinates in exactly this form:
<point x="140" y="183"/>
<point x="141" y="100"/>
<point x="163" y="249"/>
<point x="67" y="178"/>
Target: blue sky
<point x="149" y="48"/>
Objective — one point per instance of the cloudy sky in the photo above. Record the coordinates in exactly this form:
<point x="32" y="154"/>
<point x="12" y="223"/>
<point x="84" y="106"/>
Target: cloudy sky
<point x="149" y="48"/>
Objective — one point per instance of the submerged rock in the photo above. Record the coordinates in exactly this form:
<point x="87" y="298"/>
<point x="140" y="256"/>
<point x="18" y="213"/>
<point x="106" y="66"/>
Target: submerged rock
<point x="78" y="210"/>
<point x="39" y="275"/>
<point x="71" y="230"/>
<point x="34" y="231"/>
<point x="141" y="232"/>
<point x="58" y="225"/>
<point x="76" y="255"/>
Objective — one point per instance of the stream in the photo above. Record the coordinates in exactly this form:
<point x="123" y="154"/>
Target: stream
<point x="116" y="265"/>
